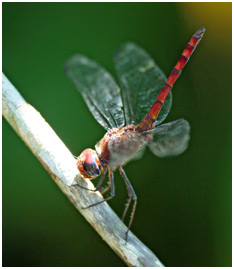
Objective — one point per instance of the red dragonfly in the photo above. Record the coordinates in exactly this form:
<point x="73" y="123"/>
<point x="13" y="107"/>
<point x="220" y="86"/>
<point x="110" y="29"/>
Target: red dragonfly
<point x="130" y="124"/>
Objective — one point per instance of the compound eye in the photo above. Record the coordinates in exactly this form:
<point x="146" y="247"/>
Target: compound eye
<point x="92" y="169"/>
<point x="88" y="163"/>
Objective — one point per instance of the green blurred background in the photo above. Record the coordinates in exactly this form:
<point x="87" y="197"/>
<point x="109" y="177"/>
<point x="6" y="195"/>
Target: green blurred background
<point x="184" y="206"/>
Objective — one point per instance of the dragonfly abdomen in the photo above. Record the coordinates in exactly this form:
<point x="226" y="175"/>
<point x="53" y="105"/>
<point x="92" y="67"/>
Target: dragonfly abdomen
<point x="149" y="120"/>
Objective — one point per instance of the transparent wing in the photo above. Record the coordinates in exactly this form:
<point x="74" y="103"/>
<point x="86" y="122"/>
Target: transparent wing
<point x="141" y="80"/>
<point x="99" y="90"/>
<point x="170" y="139"/>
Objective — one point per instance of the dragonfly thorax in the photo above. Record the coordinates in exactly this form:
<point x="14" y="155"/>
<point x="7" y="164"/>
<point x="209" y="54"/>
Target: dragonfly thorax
<point x="119" y="145"/>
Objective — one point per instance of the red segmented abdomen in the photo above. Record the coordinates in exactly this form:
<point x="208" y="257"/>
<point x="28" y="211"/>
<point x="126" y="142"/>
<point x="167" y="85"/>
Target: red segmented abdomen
<point x="150" y="118"/>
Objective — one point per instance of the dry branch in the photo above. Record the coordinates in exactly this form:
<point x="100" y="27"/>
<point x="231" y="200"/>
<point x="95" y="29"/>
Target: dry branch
<point x="60" y="163"/>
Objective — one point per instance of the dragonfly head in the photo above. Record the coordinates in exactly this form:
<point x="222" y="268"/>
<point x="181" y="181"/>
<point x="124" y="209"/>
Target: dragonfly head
<point x="88" y="164"/>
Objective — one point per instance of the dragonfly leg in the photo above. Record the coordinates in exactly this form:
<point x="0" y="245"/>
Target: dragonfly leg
<point x="126" y="208"/>
<point x="98" y="185"/>
<point x="107" y="188"/>
<point x="100" y="181"/>
<point x="112" y="191"/>
<point x="132" y="196"/>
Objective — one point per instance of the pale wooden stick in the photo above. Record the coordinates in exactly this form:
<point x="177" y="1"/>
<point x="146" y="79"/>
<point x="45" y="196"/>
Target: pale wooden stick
<point x="60" y="163"/>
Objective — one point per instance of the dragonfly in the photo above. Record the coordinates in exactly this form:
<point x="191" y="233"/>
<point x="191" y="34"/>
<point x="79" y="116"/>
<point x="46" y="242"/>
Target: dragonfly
<point x="131" y="113"/>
